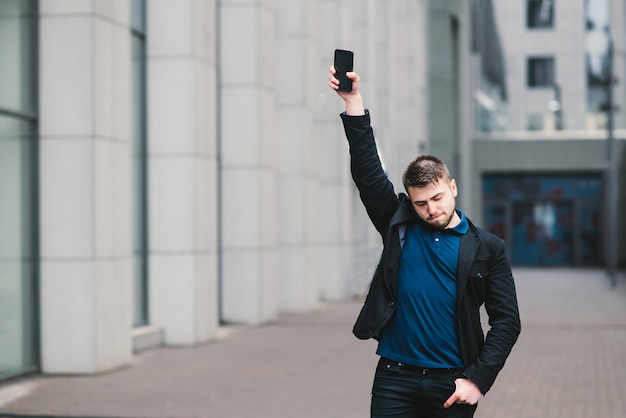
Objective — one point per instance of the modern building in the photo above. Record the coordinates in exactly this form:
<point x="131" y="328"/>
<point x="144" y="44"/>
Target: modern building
<point x="166" y="167"/>
<point x="540" y="143"/>
<point x="551" y="167"/>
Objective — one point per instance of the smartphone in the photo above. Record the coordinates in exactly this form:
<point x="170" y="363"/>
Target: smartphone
<point x="344" y="60"/>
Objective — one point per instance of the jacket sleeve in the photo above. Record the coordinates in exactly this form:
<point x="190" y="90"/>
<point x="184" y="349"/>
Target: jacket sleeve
<point x="375" y="189"/>
<point x="505" y="326"/>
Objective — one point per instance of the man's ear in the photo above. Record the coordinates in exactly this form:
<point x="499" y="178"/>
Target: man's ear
<point x="453" y="187"/>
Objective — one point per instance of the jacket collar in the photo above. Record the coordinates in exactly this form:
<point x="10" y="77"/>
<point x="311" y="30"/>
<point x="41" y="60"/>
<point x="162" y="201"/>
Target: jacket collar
<point x="405" y="212"/>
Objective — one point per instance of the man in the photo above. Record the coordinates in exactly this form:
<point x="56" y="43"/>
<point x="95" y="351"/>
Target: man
<point x="435" y="272"/>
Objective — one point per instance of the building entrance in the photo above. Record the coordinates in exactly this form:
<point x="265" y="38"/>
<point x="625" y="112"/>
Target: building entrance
<point x="546" y="219"/>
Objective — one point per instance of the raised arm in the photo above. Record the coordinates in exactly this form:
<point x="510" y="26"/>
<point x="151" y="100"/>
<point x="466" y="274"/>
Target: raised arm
<point x="375" y="189"/>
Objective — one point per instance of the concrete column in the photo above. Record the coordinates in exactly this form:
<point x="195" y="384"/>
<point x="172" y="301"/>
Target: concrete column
<point x="296" y="155"/>
<point x="182" y="169"/>
<point x="85" y="283"/>
<point x="371" y="36"/>
<point x="248" y="173"/>
<point x="410" y="80"/>
<point x="335" y="193"/>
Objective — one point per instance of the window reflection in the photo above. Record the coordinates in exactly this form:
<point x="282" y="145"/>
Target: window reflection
<point x="18" y="255"/>
<point x="597" y="60"/>
<point x="16" y="56"/>
<point x="547" y="219"/>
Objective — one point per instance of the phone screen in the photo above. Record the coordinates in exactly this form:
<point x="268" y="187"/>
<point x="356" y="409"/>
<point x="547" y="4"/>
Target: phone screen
<point x="344" y="61"/>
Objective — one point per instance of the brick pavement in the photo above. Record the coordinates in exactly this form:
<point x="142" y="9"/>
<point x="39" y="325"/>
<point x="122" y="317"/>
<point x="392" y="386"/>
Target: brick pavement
<point x="570" y="362"/>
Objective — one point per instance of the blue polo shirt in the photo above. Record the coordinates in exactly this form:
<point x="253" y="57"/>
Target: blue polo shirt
<point x="423" y="330"/>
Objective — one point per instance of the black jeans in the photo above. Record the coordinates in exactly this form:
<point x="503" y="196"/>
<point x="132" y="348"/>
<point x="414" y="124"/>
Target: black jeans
<point x="403" y="391"/>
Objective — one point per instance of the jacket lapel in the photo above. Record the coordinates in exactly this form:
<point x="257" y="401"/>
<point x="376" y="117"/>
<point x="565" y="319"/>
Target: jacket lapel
<point x="395" y="241"/>
<point x="467" y="252"/>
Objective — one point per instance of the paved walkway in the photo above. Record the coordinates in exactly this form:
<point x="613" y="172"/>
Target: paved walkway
<point x="570" y="362"/>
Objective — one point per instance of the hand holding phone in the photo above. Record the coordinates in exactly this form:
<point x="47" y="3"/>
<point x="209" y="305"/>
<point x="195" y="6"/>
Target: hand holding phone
<point x="344" y="61"/>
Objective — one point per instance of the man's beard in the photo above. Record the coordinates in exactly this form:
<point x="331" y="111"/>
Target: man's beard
<point x="446" y="223"/>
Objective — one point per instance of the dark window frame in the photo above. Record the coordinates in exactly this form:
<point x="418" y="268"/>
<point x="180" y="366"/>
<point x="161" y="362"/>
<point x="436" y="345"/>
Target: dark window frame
<point x="540" y="71"/>
<point x="540" y="14"/>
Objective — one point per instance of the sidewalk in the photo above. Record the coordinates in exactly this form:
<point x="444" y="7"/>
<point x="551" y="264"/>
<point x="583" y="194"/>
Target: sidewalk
<point x="570" y="362"/>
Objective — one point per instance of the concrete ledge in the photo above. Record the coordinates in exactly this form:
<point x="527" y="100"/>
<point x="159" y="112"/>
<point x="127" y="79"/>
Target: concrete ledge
<point x="145" y="338"/>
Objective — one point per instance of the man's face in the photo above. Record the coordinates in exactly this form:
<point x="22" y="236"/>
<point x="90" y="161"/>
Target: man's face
<point x="435" y="203"/>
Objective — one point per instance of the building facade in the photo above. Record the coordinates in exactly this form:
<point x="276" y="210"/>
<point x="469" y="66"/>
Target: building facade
<point x="170" y="166"/>
<point x="548" y="156"/>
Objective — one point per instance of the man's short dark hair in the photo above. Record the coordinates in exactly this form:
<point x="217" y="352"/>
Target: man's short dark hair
<point x="425" y="170"/>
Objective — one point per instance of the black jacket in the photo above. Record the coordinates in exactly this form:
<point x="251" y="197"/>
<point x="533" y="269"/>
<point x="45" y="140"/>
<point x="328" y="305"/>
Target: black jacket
<point x="484" y="273"/>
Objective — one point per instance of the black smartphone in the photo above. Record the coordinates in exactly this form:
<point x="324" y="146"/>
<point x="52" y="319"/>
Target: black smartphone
<point x="344" y="60"/>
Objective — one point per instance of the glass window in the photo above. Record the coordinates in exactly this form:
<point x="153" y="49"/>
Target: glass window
<point x="539" y="13"/>
<point x="540" y="72"/>
<point x="16" y="56"/>
<point x="138" y="16"/>
<point x="583" y="37"/>
<point x="547" y="219"/>
<point x="597" y="59"/>
<point x="139" y="161"/>
<point x="18" y="251"/>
